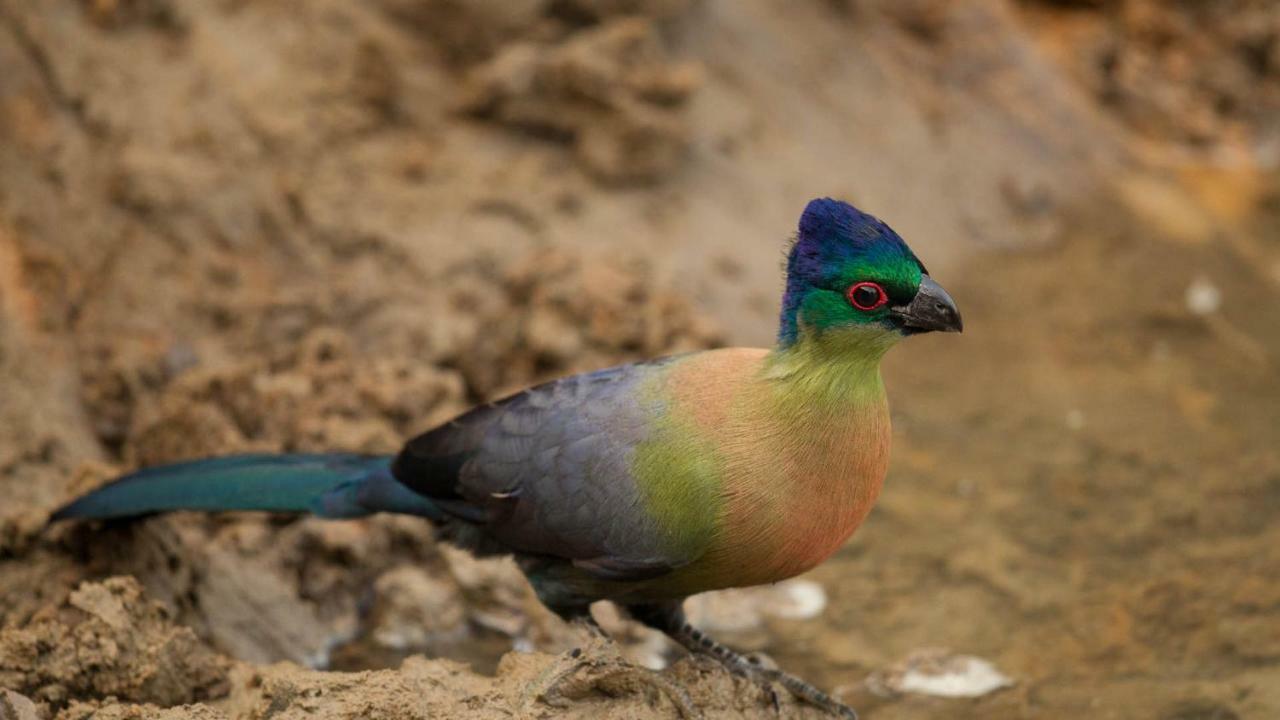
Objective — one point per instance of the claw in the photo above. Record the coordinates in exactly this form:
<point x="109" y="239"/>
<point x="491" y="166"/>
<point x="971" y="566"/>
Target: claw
<point x="802" y="691"/>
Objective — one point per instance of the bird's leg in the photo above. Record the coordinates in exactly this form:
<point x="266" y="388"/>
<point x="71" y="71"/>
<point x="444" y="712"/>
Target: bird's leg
<point x="670" y="619"/>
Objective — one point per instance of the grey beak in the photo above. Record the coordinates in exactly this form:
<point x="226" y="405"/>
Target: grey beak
<point x="931" y="309"/>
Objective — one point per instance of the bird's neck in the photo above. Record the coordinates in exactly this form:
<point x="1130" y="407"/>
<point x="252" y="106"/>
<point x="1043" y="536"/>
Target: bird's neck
<point x="834" y="372"/>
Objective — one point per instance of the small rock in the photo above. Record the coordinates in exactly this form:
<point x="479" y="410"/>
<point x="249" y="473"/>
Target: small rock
<point x="940" y="673"/>
<point x="17" y="707"/>
<point x="799" y="600"/>
<point x="1203" y="297"/>
<point x="747" y="609"/>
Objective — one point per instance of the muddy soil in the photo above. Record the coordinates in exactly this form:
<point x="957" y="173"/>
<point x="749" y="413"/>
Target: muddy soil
<point x="253" y="225"/>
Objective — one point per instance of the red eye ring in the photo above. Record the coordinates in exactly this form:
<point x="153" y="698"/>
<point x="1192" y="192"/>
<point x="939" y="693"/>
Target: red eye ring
<point x="865" y="301"/>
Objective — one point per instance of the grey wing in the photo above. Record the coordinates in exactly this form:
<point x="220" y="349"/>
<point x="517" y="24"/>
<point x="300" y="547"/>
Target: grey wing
<point x="547" y="472"/>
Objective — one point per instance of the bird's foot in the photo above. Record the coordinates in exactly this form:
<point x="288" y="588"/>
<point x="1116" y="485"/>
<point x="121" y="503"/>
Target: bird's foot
<point x="669" y="618"/>
<point x="801" y="690"/>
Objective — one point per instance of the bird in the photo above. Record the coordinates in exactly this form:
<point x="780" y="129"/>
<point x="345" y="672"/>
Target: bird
<point x="645" y="483"/>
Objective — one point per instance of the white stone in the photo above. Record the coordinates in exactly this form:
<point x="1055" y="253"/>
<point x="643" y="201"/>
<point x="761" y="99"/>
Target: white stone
<point x="1203" y="297"/>
<point x="800" y="600"/>
<point x="960" y="676"/>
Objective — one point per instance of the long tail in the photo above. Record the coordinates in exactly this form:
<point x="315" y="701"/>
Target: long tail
<point x="332" y="485"/>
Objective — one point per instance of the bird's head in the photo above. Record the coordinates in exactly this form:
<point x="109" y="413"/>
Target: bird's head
<point x="852" y="279"/>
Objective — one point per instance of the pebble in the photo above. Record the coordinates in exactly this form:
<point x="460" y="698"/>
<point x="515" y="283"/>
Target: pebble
<point x="1203" y="297"/>
<point x="940" y="673"/>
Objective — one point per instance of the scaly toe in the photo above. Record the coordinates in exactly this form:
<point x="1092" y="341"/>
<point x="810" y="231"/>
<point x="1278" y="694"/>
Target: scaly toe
<point x="802" y="691"/>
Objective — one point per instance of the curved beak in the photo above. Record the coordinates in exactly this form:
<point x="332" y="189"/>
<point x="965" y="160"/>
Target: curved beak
<point x="931" y="309"/>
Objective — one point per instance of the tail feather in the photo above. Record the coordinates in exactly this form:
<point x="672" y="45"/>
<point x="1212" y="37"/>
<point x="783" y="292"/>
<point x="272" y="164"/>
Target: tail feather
<point x="334" y="485"/>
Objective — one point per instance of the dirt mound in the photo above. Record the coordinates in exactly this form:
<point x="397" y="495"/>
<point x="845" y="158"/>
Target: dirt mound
<point x="610" y="91"/>
<point x="1207" y="74"/>
<point x="108" y="639"/>
<point x="277" y="226"/>
<point x="415" y="359"/>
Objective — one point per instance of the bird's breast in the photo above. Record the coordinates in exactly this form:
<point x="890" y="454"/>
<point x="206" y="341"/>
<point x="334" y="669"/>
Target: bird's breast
<point x="796" y="503"/>
<point x="797" y="480"/>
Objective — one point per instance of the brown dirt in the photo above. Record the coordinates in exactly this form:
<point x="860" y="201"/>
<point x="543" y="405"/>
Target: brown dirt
<point x="256" y="225"/>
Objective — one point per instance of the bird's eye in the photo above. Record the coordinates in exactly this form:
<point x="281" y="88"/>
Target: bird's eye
<point x="866" y="296"/>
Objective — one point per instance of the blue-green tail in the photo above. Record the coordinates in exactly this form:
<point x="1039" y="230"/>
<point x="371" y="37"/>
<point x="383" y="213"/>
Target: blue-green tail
<point x="332" y="485"/>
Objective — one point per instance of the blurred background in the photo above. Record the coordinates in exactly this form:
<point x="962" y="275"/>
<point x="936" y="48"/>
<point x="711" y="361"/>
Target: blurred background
<point x="255" y="224"/>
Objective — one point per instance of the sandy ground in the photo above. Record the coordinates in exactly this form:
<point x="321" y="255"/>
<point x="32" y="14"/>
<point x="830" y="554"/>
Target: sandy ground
<point x="251" y="225"/>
